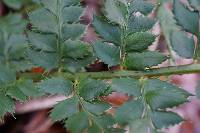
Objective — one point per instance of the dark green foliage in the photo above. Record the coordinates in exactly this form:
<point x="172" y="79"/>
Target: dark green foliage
<point x="140" y="24"/>
<point x="146" y="60"/>
<point x="155" y="95"/>
<point x="97" y="108"/>
<point x="186" y="18"/>
<point x="130" y="111"/>
<point x="187" y="48"/>
<point x="17" y="4"/>
<point x="126" y="86"/>
<point x="141" y="126"/>
<point x="54" y="42"/>
<point x="174" y="28"/>
<point x="127" y="31"/>
<point x="165" y="119"/>
<point x="139" y="41"/>
<point x="90" y="89"/>
<point x="12" y="89"/>
<point x="56" y="31"/>
<point x="13" y="44"/>
<point x="108" y="53"/>
<point x="108" y="31"/>
<point x="56" y="85"/>
<point x="6" y="105"/>
<point x="80" y="118"/>
<point x="64" y="109"/>
<point x="144" y="7"/>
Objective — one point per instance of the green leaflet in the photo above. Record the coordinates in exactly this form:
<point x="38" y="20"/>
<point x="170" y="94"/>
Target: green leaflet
<point x="139" y="41"/>
<point x="12" y="23"/>
<point x="43" y="59"/>
<point x="22" y="65"/>
<point x="64" y="3"/>
<point x="77" y="123"/>
<point x="14" y="49"/>
<point x="76" y="49"/>
<point x="76" y="54"/>
<point x="96" y="108"/>
<point x="140" y="61"/>
<point x="73" y="66"/>
<point x="142" y="6"/>
<point x="15" y="52"/>
<point x="108" y="31"/>
<point x="108" y="53"/>
<point x="116" y="11"/>
<point x="102" y="123"/>
<point x="187" y="19"/>
<point x="13" y="44"/>
<point x="140" y="126"/>
<point x="6" y="75"/>
<point x="17" y="94"/>
<point x="105" y="121"/>
<point x="94" y="129"/>
<point x="28" y="88"/>
<point x="64" y="109"/>
<point x="90" y="89"/>
<point x="56" y="85"/>
<point x="44" y="21"/>
<point x="44" y="42"/>
<point x="72" y="31"/>
<point x="129" y="111"/>
<point x="53" y="5"/>
<point x="182" y="44"/>
<point x="22" y="90"/>
<point x="165" y="119"/>
<point x="72" y="14"/>
<point x="127" y="86"/>
<point x="162" y="95"/>
<point x="6" y="105"/>
<point x="16" y="4"/>
<point x="140" y="24"/>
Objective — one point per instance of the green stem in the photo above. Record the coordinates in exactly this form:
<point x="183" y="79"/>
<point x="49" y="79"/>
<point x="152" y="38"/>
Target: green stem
<point x="122" y="47"/>
<point x="173" y="70"/>
<point x="59" y="41"/>
<point x="145" y="114"/>
<point x="197" y="51"/>
<point x="186" y="69"/>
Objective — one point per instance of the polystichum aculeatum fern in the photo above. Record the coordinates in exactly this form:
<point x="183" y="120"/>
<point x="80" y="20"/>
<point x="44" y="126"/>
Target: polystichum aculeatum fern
<point x="124" y="29"/>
